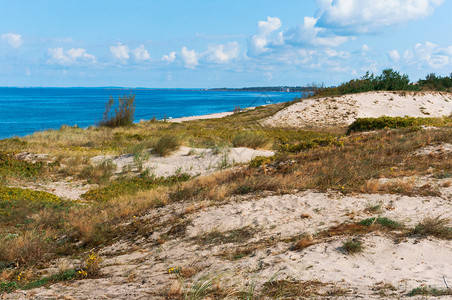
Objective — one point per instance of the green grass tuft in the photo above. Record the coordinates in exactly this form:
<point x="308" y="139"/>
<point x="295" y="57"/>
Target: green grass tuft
<point x="381" y="221"/>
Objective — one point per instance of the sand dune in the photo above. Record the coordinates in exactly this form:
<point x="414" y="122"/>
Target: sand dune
<point x="343" y="110"/>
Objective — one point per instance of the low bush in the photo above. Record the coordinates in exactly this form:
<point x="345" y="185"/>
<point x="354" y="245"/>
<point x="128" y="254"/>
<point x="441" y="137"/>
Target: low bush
<point x="261" y="160"/>
<point x="381" y="221"/>
<point x="429" y="291"/>
<point x="123" y="114"/>
<point x="353" y="246"/>
<point x="166" y="144"/>
<point x="366" y="124"/>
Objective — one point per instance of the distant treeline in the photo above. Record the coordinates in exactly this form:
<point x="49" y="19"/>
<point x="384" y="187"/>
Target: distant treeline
<point x="269" y="89"/>
<point x="389" y="80"/>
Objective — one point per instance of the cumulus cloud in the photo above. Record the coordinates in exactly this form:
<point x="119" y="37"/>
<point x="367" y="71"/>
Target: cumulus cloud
<point x="170" y="57"/>
<point x="71" y="56"/>
<point x="189" y="57"/>
<point x="12" y="39"/>
<point x="257" y="44"/>
<point x="141" y="54"/>
<point x="429" y="54"/>
<point x="223" y="53"/>
<point x="120" y="52"/>
<point x="309" y="33"/>
<point x="394" y="55"/>
<point x="362" y="16"/>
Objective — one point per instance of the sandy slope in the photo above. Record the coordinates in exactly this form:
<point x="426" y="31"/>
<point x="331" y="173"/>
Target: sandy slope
<point x="193" y="161"/>
<point x="343" y="110"/>
<point x="138" y="268"/>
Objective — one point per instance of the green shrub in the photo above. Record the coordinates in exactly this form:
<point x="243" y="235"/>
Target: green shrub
<point x="123" y="114"/>
<point x="381" y="221"/>
<point x="353" y="246"/>
<point x="11" y="166"/>
<point x="429" y="291"/>
<point x="8" y="287"/>
<point x="261" y="160"/>
<point x="250" y="140"/>
<point x="366" y="124"/>
<point x="166" y="144"/>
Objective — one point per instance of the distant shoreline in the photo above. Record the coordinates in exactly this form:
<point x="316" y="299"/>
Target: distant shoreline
<point x="210" y="116"/>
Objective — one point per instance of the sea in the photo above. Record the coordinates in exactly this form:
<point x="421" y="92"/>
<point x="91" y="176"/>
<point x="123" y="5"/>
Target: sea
<point x="27" y="110"/>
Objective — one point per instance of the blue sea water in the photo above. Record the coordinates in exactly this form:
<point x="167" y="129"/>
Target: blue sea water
<point x="26" y="110"/>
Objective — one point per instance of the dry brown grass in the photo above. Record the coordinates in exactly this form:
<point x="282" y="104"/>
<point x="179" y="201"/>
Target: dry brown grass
<point x="27" y="248"/>
<point x="438" y="227"/>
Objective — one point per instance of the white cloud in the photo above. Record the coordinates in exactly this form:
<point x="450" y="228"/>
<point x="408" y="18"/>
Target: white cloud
<point x="189" y="57"/>
<point x="309" y="34"/>
<point x="71" y="56"/>
<point x="361" y="16"/>
<point x="257" y="44"/>
<point x="170" y="57"/>
<point x="394" y="55"/>
<point x="12" y="39"/>
<point x="120" y="52"/>
<point x="223" y="53"/>
<point x="365" y="48"/>
<point x="141" y="54"/>
<point x="430" y="55"/>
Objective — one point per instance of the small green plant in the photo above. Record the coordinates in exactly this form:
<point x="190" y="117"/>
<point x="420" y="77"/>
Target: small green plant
<point x="123" y="114"/>
<point x="381" y="221"/>
<point x="8" y="287"/>
<point x="140" y="155"/>
<point x="166" y="144"/>
<point x="261" y="160"/>
<point x="353" y="246"/>
<point x="201" y="288"/>
<point x="429" y="291"/>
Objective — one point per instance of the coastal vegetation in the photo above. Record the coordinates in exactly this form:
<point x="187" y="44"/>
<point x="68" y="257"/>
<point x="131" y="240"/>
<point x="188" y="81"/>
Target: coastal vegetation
<point x="389" y="80"/>
<point x="39" y="227"/>
<point x="123" y="114"/>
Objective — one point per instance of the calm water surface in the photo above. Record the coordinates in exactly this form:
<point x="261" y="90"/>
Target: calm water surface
<point x="26" y="110"/>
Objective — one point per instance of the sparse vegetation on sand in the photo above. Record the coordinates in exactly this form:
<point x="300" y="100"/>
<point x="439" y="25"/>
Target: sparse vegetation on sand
<point x="131" y="205"/>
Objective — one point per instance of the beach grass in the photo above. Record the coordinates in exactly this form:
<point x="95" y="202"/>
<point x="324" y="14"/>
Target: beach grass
<point x="36" y="227"/>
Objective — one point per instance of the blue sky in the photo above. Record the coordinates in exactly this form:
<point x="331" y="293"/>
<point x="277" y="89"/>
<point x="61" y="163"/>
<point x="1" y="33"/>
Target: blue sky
<point x="219" y="43"/>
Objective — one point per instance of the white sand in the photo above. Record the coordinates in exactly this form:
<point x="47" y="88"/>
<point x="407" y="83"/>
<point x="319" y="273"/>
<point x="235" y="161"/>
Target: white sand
<point x="407" y="263"/>
<point x="193" y="161"/>
<point x="343" y="110"/>
<point x="201" y="117"/>
<point x="209" y="116"/>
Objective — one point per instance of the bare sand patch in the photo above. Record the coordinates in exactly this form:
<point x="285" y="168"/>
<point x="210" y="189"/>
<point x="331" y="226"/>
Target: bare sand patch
<point x="193" y="161"/>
